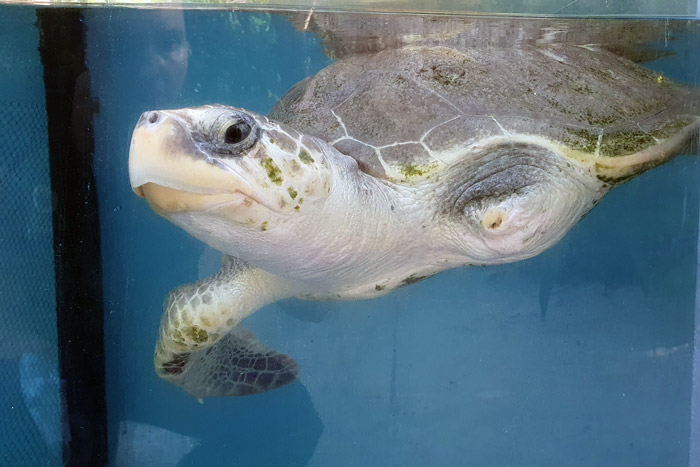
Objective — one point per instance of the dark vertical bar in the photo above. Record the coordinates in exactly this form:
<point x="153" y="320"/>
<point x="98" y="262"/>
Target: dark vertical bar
<point x="695" y="392"/>
<point x="76" y="233"/>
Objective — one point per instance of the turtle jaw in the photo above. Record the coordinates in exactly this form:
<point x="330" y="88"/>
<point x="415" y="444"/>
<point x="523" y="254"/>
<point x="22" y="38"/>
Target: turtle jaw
<point x="165" y="200"/>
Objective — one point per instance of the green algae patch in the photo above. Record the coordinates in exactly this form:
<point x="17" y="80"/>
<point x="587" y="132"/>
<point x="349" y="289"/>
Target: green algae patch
<point x="624" y="143"/>
<point x="292" y="192"/>
<point x="273" y="171"/>
<point x="612" y="177"/>
<point x="412" y="279"/>
<point x="600" y="120"/>
<point x="583" y="140"/>
<point x="263" y="226"/>
<point x="630" y="142"/>
<point x="178" y="337"/>
<point x="413" y="170"/>
<point x="305" y="157"/>
<point x="196" y="334"/>
<point x="379" y="288"/>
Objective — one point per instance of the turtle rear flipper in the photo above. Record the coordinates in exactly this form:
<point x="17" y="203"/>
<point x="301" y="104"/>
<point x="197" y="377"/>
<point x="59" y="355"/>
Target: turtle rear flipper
<point x="201" y="346"/>
<point x="236" y="365"/>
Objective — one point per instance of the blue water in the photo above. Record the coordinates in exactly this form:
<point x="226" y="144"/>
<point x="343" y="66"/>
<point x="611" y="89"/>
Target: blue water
<point x="581" y="356"/>
<point x="30" y="412"/>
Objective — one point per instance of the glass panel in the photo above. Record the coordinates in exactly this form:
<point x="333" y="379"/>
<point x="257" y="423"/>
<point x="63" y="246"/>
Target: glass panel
<point x="582" y="354"/>
<point x="30" y="417"/>
<point x="577" y="355"/>
<point x="562" y="8"/>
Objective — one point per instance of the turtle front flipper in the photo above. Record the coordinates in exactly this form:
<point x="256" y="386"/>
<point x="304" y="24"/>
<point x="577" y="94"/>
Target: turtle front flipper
<point x="201" y="346"/>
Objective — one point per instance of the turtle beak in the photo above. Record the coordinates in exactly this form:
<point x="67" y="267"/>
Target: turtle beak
<point x="138" y="190"/>
<point x="167" y="167"/>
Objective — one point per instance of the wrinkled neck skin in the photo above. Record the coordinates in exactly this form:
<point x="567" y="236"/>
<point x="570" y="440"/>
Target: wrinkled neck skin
<point x="370" y="236"/>
<point x="511" y="201"/>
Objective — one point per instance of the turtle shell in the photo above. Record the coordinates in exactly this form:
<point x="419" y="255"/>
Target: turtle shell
<point x="405" y="114"/>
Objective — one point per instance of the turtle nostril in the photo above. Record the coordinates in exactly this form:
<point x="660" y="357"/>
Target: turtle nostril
<point x="149" y="118"/>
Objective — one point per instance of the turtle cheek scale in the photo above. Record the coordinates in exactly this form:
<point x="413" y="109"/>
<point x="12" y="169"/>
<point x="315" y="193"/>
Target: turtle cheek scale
<point x="284" y="174"/>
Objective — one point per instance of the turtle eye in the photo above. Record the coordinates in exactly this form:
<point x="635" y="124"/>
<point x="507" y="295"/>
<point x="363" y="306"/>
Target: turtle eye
<point x="236" y="133"/>
<point x="231" y="133"/>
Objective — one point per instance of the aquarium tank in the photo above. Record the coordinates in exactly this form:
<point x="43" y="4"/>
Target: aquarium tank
<point x="443" y="297"/>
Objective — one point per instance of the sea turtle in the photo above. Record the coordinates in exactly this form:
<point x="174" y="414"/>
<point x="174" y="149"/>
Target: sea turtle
<point x="384" y="169"/>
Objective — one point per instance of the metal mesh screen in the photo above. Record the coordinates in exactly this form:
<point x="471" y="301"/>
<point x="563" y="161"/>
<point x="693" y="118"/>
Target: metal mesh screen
<point x="30" y="415"/>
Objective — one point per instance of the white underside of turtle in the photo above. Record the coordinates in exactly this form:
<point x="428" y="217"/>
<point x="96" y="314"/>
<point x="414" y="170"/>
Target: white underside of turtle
<point x="382" y="170"/>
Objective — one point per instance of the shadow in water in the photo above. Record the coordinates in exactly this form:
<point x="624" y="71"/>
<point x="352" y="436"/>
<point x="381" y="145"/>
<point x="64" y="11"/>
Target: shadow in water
<point x="277" y="428"/>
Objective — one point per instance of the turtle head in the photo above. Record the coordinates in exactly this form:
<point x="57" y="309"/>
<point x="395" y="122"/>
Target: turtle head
<point x="226" y="162"/>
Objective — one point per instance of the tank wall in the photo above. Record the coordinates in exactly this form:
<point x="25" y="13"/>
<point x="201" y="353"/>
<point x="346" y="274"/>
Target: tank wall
<point x="30" y="415"/>
<point x="548" y="8"/>
<point x="580" y="356"/>
<point x="581" y="353"/>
